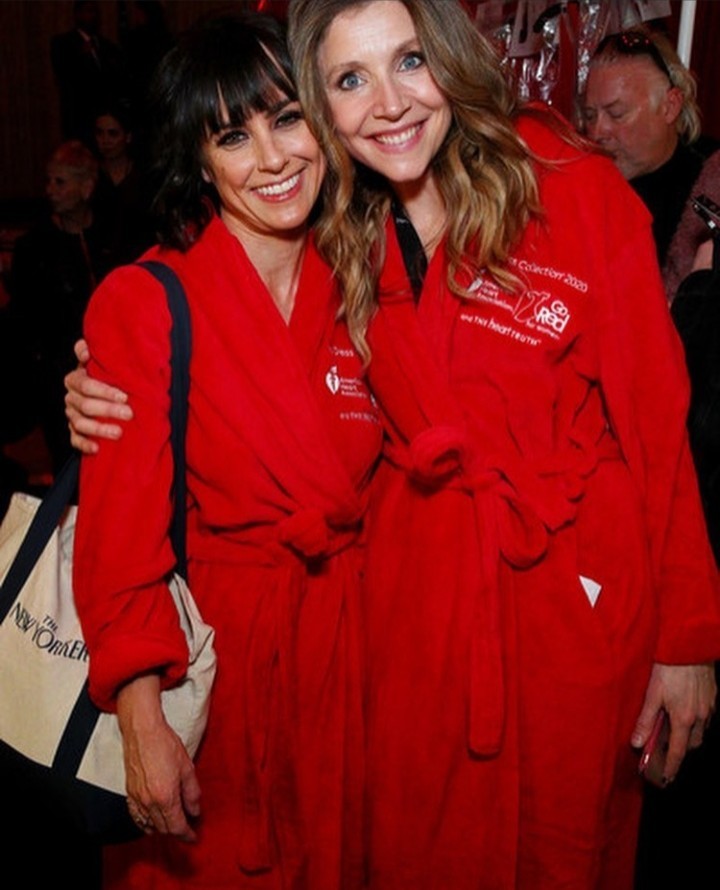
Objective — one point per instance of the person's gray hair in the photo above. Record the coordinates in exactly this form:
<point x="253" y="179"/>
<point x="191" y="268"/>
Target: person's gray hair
<point x="615" y="48"/>
<point x="77" y="157"/>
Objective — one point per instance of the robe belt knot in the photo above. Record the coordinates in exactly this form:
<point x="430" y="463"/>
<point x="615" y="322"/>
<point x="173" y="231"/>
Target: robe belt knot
<point x="313" y="534"/>
<point x="436" y="455"/>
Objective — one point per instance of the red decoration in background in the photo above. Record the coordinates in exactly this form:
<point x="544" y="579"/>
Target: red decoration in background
<point x="275" y="8"/>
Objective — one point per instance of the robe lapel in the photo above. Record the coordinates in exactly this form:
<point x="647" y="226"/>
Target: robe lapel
<point x="275" y="411"/>
<point x="413" y="346"/>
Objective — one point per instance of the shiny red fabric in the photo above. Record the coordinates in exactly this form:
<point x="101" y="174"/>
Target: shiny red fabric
<point x="538" y="448"/>
<point x="281" y="443"/>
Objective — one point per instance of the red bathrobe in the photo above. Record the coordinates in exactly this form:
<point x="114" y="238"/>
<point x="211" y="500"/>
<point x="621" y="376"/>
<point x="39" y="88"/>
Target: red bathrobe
<point x="537" y="543"/>
<point x="281" y="442"/>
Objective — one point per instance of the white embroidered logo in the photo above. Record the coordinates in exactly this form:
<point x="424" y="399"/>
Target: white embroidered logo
<point x="554" y="316"/>
<point x="332" y="380"/>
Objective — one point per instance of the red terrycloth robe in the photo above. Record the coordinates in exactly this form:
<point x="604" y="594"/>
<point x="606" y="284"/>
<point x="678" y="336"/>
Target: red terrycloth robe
<point x="282" y="439"/>
<point x="537" y="453"/>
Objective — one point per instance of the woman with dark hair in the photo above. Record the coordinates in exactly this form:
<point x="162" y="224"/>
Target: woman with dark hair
<point x="121" y="198"/>
<point x="282" y="438"/>
<point x="114" y="142"/>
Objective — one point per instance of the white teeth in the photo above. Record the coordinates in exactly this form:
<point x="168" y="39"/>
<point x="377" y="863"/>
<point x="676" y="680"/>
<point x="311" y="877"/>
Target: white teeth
<point x="279" y="188"/>
<point x="399" y="138"/>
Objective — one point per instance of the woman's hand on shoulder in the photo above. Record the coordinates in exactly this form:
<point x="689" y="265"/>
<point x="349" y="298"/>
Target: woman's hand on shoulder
<point x="89" y="403"/>
<point x="688" y="692"/>
<point x="163" y="793"/>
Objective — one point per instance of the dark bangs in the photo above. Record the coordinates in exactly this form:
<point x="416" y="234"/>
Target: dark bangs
<point x="241" y="62"/>
<point x="250" y="87"/>
<point x="219" y="74"/>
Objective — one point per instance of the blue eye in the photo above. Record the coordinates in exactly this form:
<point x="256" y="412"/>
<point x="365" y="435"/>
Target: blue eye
<point x="411" y="61"/>
<point x="349" y="81"/>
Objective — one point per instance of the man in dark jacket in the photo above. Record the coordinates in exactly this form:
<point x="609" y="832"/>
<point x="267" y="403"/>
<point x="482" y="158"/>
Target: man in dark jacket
<point x="640" y="107"/>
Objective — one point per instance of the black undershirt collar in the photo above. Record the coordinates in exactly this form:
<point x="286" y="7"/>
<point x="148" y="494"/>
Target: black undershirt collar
<point x="411" y="248"/>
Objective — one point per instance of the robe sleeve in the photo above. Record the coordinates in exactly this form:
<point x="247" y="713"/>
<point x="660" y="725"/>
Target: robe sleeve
<point x="123" y="555"/>
<point x="645" y="383"/>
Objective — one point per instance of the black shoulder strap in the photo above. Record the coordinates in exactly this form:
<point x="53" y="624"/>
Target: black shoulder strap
<point x="180" y="348"/>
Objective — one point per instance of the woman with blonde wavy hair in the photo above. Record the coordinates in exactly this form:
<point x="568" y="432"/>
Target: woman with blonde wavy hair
<point x="539" y="585"/>
<point x="494" y="183"/>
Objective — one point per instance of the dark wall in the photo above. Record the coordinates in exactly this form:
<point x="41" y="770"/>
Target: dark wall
<point x="705" y="62"/>
<point x="29" y="109"/>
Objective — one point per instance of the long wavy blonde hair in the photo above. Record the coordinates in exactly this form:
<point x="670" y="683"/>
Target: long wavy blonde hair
<point x="484" y="170"/>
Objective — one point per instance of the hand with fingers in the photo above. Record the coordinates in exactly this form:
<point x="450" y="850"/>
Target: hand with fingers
<point x="90" y="403"/>
<point x="163" y="793"/>
<point x="688" y="693"/>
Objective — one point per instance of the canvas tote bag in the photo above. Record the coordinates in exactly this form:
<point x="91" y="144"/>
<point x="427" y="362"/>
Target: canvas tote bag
<point x="49" y="727"/>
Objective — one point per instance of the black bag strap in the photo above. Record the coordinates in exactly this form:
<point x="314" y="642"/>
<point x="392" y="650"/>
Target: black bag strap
<point x="180" y="349"/>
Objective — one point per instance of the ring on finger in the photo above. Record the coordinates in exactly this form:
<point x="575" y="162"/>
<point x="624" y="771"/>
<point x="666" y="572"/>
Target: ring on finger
<point x="142" y="820"/>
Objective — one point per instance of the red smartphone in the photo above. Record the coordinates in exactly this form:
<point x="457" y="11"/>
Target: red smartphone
<point x="654" y="754"/>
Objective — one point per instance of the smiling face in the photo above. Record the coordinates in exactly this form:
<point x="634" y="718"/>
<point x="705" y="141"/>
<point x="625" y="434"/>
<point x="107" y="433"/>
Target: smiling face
<point x="388" y="111"/>
<point x="267" y="171"/>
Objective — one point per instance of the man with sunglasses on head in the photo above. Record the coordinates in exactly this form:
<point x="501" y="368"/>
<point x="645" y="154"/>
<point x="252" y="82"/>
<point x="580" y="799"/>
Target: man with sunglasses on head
<point x="640" y="107"/>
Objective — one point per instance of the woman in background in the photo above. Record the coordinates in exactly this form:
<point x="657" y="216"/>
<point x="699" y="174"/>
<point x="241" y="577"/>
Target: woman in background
<point x="121" y="196"/>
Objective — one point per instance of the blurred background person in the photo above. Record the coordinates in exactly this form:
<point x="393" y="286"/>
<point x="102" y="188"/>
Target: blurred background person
<point x="121" y="198"/>
<point x="640" y="107"/>
<point x="696" y="313"/>
<point x="55" y="267"/>
<point x="113" y="137"/>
